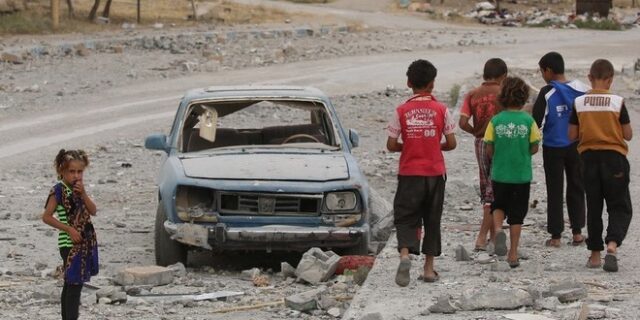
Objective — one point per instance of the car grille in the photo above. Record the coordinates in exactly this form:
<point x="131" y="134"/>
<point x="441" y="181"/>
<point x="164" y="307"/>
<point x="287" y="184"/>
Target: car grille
<point x="268" y="204"/>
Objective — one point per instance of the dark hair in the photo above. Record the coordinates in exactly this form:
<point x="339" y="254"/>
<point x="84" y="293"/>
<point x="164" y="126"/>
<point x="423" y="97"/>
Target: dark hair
<point x="601" y="69"/>
<point x="514" y="92"/>
<point x="65" y="156"/>
<point x="421" y="73"/>
<point x="553" y="61"/>
<point x="494" y="68"/>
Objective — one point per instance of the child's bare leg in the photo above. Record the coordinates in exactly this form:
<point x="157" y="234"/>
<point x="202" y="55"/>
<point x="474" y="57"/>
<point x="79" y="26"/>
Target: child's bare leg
<point x="595" y="259"/>
<point x="514" y="236"/>
<point x="429" y="271"/>
<point x="485" y="227"/>
<point x="500" y="242"/>
<point x="612" y="247"/>
<point x="498" y="218"/>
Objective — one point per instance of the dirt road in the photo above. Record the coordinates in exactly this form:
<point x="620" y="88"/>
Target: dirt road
<point x="112" y="120"/>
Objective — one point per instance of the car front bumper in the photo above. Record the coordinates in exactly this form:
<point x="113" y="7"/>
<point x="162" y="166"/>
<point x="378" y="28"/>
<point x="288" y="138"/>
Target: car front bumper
<point x="270" y="237"/>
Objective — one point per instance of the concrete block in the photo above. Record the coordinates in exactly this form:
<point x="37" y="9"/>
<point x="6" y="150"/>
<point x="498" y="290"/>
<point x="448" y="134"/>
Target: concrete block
<point x="317" y="266"/>
<point x="144" y="275"/>
<point x="305" y="301"/>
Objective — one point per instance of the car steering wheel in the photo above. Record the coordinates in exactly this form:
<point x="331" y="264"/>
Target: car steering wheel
<point x="300" y="136"/>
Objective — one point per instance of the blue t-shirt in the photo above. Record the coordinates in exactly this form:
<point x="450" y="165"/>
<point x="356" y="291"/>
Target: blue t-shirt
<point x="555" y="102"/>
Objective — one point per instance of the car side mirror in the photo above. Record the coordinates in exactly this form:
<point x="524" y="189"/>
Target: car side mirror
<point x="156" y="141"/>
<point x="354" y="138"/>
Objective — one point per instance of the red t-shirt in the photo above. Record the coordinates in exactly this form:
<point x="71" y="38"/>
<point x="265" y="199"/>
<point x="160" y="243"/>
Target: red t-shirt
<point x="421" y="121"/>
<point x="481" y="105"/>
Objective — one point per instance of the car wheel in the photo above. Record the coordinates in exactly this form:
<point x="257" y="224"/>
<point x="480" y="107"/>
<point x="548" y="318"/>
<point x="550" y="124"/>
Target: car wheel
<point x="168" y="251"/>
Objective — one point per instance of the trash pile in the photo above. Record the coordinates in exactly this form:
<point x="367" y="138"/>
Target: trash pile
<point x="485" y="12"/>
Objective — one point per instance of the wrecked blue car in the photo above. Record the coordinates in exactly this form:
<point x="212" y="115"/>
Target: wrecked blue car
<point x="258" y="168"/>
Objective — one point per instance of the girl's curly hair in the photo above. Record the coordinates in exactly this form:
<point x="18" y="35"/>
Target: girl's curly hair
<point x="514" y="93"/>
<point x="65" y="156"/>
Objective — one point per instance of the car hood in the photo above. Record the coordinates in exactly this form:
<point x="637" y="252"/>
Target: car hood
<point x="255" y="166"/>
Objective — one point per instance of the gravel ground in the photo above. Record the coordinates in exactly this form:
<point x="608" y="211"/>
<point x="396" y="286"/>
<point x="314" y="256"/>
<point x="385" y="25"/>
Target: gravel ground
<point x="122" y="175"/>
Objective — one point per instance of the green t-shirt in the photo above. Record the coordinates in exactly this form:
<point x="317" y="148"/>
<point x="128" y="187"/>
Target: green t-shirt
<point x="512" y="132"/>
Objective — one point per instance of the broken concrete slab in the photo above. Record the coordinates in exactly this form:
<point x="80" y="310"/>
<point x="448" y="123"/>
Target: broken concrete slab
<point x="250" y="274"/>
<point x="571" y="295"/>
<point x="443" y="305"/>
<point x="317" y="266"/>
<point x="526" y="316"/>
<point x="548" y="303"/>
<point x="144" y="275"/>
<point x="305" y="301"/>
<point x="381" y="216"/>
<point x="287" y="270"/>
<point x="494" y="298"/>
<point x="112" y="293"/>
<point x="179" y="270"/>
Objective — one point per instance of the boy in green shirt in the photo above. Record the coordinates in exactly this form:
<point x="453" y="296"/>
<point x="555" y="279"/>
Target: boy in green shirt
<point x="512" y="136"/>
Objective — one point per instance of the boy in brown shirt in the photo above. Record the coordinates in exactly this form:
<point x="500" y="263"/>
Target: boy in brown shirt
<point x="601" y="123"/>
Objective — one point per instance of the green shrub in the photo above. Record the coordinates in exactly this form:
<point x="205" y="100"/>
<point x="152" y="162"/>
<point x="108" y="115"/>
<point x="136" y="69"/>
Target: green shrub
<point x="604" y="24"/>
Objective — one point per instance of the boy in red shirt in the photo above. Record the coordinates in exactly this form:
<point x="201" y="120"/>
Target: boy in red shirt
<point x="481" y="105"/>
<point x="421" y="122"/>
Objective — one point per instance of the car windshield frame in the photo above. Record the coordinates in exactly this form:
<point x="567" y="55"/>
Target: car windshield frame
<point x="328" y="120"/>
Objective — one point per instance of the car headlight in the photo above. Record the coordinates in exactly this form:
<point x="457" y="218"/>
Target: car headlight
<point x="341" y="201"/>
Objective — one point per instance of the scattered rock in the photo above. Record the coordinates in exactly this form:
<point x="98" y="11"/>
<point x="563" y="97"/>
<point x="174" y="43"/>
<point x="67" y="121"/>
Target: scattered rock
<point x="500" y="266"/>
<point x="287" y="270"/>
<point x="250" y="274"/>
<point x="305" y="301"/>
<point x="317" y="266"/>
<point x="179" y="270"/>
<point x="10" y="58"/>
<point x="113" y="294"/>
<point x="443" y="305"/>
<point x="571" y="295"/>
<point x="462" y="254"/>
<point x="548" y="303"/>
<point x="526" y="316"/>
<point x="372" y="316"/>
<point x="334" y="312"/>
<point x="144" y="275"/>
<point x="484" y="258"/>
<point x="494" y="298"/>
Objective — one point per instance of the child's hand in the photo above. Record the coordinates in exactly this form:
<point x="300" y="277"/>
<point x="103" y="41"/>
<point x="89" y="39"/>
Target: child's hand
<point x="78" y="188"/>
<point x="76" y="237"/>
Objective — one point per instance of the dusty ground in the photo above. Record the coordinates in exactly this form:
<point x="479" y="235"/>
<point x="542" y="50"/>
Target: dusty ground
<point x="107" y="102"/>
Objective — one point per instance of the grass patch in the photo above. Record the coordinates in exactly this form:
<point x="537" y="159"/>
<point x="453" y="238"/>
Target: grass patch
<point x="454" y="93"/>
<point x="25" y="22"/>
<point x="604" y="24"/>
<point x="37" y="20"/>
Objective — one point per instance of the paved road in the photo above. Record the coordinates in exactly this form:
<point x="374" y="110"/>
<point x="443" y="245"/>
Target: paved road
<point x="138" y="106"/>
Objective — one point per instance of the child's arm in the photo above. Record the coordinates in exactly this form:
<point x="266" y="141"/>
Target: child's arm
<point x="540" y="106"/>
<point x="573" y="132"/>
<point x="47" y="217"/>
<point x="449" y="143"/>
<point x="464" y="124"/>
<point x="393" y="145"/>
<point x="488" y="140"/>
<point x="489" y="149"/>
<point x="533" y="149"/>
<point x="78" y="188"/>
<point x="465" y="114"/>
<point x="534" y="138"/>
<point x="627" y="133"/>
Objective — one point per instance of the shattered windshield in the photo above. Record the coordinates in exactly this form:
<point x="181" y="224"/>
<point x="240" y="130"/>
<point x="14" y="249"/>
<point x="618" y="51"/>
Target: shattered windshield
<point x="257" y="124"/>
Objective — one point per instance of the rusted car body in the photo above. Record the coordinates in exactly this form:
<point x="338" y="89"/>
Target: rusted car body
<point x="258" y="168"/>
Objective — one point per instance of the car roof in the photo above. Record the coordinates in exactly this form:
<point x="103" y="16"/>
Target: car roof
<point x="248" y="91"/>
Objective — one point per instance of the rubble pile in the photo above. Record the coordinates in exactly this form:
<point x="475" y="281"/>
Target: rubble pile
<point x="487" y="13"/>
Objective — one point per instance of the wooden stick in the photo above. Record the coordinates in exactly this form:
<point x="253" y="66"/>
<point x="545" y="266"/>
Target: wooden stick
<point x="251" y="307"/>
